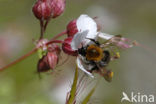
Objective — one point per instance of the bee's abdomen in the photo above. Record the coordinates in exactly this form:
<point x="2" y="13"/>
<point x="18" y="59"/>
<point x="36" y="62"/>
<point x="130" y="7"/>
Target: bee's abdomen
<point x="105" y="60"/>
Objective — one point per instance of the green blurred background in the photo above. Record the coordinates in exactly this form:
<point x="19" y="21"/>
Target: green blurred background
<point x="134" y="71"/>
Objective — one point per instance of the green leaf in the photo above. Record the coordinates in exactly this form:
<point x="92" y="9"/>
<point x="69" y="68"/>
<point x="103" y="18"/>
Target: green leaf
<point x="74" y="87"/>
<point x="87" y="98"/>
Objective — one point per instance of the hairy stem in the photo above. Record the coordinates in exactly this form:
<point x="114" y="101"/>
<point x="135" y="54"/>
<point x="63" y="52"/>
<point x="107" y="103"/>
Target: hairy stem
<point x="19" y="59"/>
<point x="54" y="41"/>
<point x="34" y="50"/>
<point x="59" y="35"/>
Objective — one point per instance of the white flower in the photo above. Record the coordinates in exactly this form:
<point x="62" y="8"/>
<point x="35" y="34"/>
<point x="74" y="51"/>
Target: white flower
<point x="87" y="29"/>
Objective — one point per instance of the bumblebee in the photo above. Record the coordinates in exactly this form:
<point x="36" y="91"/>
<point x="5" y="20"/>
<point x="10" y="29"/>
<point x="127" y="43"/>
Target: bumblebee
<point x="95" y="56"/>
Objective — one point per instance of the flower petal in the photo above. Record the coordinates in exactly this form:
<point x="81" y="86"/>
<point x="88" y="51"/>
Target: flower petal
<point x="105" y="36"/>
<point x="87" y="28"/>
<point x="78" y="39"/>
<point x="80" y="66"/>
<point x="84" y="22"/>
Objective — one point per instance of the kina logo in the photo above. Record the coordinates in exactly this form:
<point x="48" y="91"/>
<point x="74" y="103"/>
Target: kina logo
<point x="137" y="98"/>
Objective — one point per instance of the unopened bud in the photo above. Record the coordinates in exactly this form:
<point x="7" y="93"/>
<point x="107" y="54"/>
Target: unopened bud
<point x="53" y="55"/>
<point x="58" y="7"/>
<point x="50" y="60"/>
<point x="66" y="47"/>
<point x="46" y="9"/>
<point x="54" y="48"/>
<point x="42" y="9"/>
<point x="43" y="64"/>
<point x="72" y="28"/>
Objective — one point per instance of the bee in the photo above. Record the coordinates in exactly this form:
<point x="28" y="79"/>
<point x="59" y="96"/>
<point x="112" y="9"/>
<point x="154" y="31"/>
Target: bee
<point x="95" y="56"/>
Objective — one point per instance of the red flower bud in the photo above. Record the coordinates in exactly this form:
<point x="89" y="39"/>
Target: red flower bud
<point x="42" y="9"/>
<point x="43" y="64"/>
<point x="72" y="28"/>
<point x="50" y="60"/>
<point x="58" y="7"/>
<point x="54" y="48"/>
<point x="67" y="48"/>
<point x="46" y="9"/>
